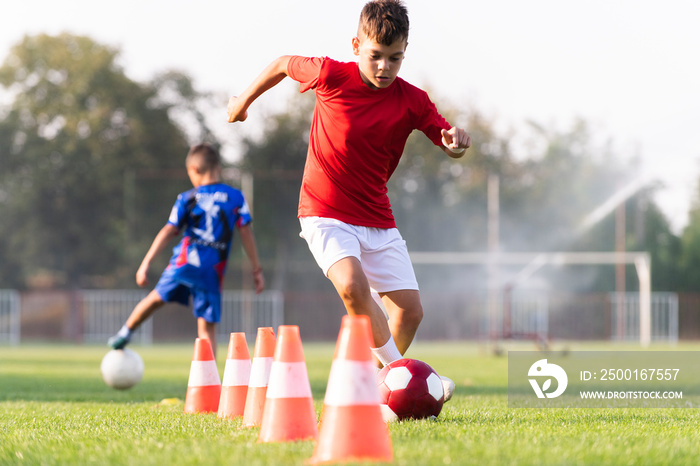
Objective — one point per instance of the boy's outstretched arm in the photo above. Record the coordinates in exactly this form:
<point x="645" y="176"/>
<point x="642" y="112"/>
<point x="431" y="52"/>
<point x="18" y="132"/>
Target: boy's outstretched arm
<point x="455" y="141"/>
<point x="164" y="236"/>
<point x="251" y="250"/>
<point x="269" y="78"/>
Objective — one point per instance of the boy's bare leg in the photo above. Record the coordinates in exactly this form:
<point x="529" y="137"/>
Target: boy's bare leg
<point x="405" y="315"/>
<point x="141" y="312"/>
<point x="352" y="286"/>
<point x="144" y="309"/>
<point x="207" y="330"/>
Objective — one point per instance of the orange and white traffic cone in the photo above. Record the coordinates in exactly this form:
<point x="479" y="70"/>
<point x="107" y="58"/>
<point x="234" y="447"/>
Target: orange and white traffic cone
<point x="236" y="375"/>
<point x="204" y="385"/>
<point x="289" y="412"/>
<point x="352" y="428"/>
<point x="259" y="377"/>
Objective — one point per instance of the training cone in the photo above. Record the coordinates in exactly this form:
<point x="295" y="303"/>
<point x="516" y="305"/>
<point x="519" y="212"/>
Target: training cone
<point x="259" y="377"/>
<point x="352" y="428"/>
<point x="289" y="412"/>
<point x="236" y="375"/>
<point x="204" y="385"/>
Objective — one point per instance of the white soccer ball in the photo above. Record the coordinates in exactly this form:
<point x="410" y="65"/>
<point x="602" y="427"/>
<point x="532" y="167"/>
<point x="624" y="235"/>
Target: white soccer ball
<point x="122" y="369"/>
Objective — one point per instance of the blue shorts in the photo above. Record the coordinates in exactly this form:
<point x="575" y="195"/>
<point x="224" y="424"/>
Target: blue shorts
<point x="205" y="304"/>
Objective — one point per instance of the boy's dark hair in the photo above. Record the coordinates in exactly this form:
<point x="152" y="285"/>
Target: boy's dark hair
<point x="205" y="157"/>
<point x="384" y="21"/>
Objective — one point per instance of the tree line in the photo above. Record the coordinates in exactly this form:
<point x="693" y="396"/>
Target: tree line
<point x="91" y="162"/>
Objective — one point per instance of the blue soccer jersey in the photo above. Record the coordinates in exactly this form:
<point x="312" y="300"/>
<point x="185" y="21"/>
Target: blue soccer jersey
<point x="207" y="216"/>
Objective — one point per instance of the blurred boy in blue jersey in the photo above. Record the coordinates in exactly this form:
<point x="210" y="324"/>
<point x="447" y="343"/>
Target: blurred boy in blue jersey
<point x="207" y="216"/>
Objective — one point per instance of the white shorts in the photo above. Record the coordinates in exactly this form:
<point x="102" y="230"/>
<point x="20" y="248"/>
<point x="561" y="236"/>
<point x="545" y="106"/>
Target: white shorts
<point x="381" y="251"/>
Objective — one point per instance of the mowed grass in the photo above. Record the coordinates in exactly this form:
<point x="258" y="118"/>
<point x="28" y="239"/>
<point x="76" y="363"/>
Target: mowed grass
<point x="55" y="409"/>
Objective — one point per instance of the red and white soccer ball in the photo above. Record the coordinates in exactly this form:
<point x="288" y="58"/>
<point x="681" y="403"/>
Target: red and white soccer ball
<point x="409" y="389"/>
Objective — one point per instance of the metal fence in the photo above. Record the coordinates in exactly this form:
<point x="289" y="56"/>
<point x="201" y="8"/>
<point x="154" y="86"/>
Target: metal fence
<point x="529" y="316"/>
<point x="246" y="311"/>
<point x="9" y="316"/>
<point x="625" y="316"/>
<point x="511" y="316"/>
<point x="105" y="311"/>
<point x="93" y="316"/>
<point x="552" y="316"/>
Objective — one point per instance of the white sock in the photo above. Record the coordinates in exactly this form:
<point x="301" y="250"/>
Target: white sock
<point x="124" y="331"/>
<point x="387" y="353"/>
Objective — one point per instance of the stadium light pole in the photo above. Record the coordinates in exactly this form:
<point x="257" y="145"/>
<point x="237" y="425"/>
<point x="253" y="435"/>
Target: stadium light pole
<point x="493" y="233"/>
<point x="246" y="182"/>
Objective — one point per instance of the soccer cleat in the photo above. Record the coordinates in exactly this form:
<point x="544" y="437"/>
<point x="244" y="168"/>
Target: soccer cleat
<point x="118" y="341"/>
<point x="448" y="387"/>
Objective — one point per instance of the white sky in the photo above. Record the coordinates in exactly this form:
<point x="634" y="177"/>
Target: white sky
<point x="630" y="67"/>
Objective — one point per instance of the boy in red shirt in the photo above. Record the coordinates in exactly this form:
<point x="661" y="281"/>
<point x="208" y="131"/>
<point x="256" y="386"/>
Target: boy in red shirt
<point x="362" y="119"/>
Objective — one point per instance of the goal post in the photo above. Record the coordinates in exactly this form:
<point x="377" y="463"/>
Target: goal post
<point x="533" y="261"/>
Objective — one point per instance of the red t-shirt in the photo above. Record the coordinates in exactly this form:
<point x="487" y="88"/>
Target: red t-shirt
<point x="357" y="138"/>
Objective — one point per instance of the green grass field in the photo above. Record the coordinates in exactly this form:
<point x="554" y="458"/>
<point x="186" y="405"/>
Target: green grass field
<point x="55" y="409"/>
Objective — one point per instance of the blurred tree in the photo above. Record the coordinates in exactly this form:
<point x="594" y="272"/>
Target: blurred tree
<point x="565" y="177"/>
<point x="276" y="160"/>
<point x="572" y="178"/>
<point x="91" y="163"/>
<point x="187" y="106"/>
<point x="81" y="148"/>
<point x="545" y="194"/>
<point x="650" y="231"/>
<point x="689" y="279"/>
<point x="440" y="203"/>
<point x="646" y="229"/>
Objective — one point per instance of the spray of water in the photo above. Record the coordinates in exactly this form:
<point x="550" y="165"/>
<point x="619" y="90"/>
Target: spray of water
<point x="619" y="197"/>
<point x="589" y="221"/>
